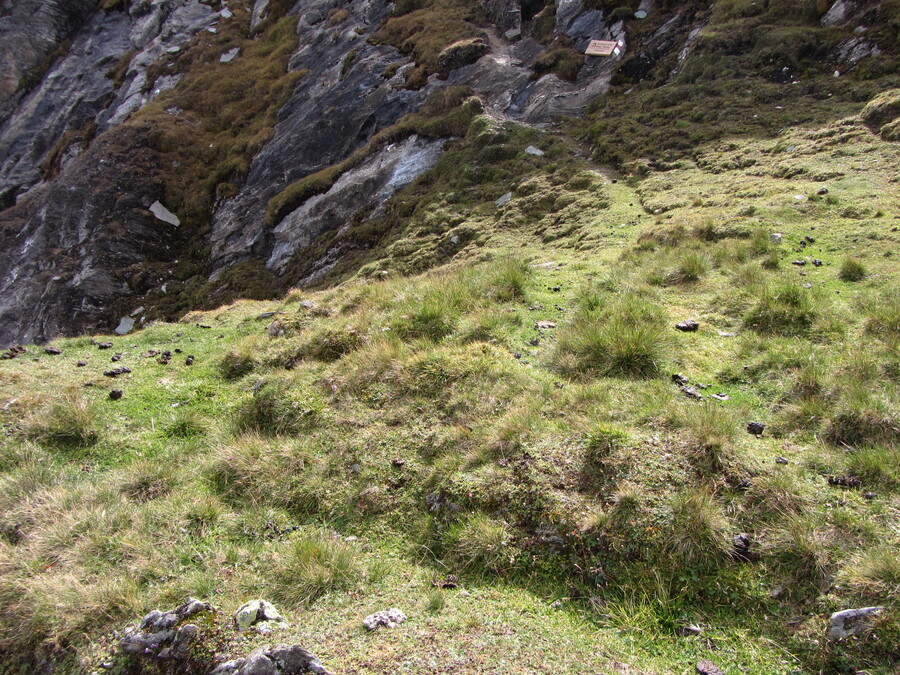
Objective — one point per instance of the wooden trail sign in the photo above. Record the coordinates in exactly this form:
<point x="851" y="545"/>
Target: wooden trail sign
<point x="603" y="48"/>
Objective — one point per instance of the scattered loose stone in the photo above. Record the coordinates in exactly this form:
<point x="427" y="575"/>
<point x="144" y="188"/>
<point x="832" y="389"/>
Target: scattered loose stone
<point x="721" y="397"/>
<point x="851" y="622"/>
<point x="775" y="238"/>
<point x="690" y="629"/>
<point x="260" y="615"/>
<point x="798" y="263"/>
<point x="536" y="152"/>
<point x="115" y="372"/>
<point x="52" y="351"/>
<point x="707" y="667"/>
<point x="869" y="495"/>
<point x="816" y="262"/>
<point x="687" y="326"/>
<point x="390" y="618"/>
<point x="504" y="200"/>
<point x="398" y="463"/>
<point x="164" y="634"/>
<point x="307" y="304"/>
<point x="115" y="394"/>
<point x="850" y="481"/>
<point x="280" y="660"/>
<point x="822" y="191"/>
<point x="691" y="392"/>
<point x="740" y="546"/>
<point x="230" y="55"/>
<point x="679" y="379"/>
<point x="104" y="345"/>
<point x="809" y="240"/>
<point x="780" y="460"/>
<point x="266" y="315"/>
<point x="544" y="325"/>
<point x="275" y="329"/>
<point x="81" y="364"/>
<point x="450" y="581"/>
<point x="756" y="428"/>
<point x="13" y="352"/>
<point x="189" y="361"/>
<point x="116" y="357"/>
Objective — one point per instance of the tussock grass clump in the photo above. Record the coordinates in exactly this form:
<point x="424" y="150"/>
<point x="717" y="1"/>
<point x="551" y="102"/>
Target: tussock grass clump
<point x="252" y="469"/>
<point x="314" y="563"/>
<point x="237" y="363"/>
<point x="852" y="270"/>
<point x="884" y="315"/>
<point x="863" y="420"/>
<point x="876" y="465"/>
<point x="625" y="337"/>
<point x="331" y="343"/>
<point x="875" y="572"/>
<point x="710" y="429"/>
<point x="69" y="422"/>
<point x="509" y="278"/>
<point x="691" y="267"/>
<point x="480" y="543"/>
<point x="150" y="479"/>
<point x="800" y="547"/>
<point x="186" y="423"/>
<point x="784" y="308"/>
<point x="275" y="407"/>
<point x="698" y="530"/>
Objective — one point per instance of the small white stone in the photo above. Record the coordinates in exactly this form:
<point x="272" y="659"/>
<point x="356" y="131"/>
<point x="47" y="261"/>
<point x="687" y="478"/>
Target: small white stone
<point x="230" y="55"/>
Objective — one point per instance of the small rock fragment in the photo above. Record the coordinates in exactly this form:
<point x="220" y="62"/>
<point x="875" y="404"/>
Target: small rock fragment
<point x="115" y="394"/>
<point x="115" y="372"/>
<point x="798" y="263"/>
<point x="679" y="379"/>
<point x="536" y="152"/>
<point x="81" y="364"/>
<point x="691" y="392"/>
<point x="504" y="200"/>
<point x="544" y="325"/>
<point x="780" y="460"/>
<point x="707" y="667"/>
<point x="52" y="351"/>
<point x="104" y="345"/>
<point x="690" y="629"/>
<point x="775" y="238"/>
<point x="687" y="326"/>
<point x="189" y="361"/>
<point x="755" y="428"/>
<point x="389" y="618"/>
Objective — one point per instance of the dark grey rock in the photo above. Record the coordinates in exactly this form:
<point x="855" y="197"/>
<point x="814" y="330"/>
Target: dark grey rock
<point x="755" y="428"/>
<point x="115" y="372"/>
<point x="679" y="379"/>
<point x="687" y="326"/>
<point x="115" y="394"/>
<point x="53" y="351"/>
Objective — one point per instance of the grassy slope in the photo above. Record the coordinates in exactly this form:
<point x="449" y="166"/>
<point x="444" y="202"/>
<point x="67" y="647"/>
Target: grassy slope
<point x="560" y="442"/>
<point x="586" y="504"/>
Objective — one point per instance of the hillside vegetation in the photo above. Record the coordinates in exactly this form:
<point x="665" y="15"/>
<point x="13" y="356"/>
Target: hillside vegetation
<point x="497" y="390"/>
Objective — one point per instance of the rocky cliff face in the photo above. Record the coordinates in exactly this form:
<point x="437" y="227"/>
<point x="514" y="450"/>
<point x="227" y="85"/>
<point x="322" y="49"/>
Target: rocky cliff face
<point x="98" y="103"/>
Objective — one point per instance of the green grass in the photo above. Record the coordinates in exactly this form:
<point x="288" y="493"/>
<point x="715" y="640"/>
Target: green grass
<point x="509" y="417"/>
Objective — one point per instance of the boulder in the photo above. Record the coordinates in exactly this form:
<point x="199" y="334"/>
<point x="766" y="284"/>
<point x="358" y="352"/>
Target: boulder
<point x="260" y="615"/>
<point x="279" y="660"/>
<point x="850" y="622"/>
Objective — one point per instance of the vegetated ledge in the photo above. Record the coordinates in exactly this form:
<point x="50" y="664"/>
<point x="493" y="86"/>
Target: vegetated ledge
<point x="446" y="112"/>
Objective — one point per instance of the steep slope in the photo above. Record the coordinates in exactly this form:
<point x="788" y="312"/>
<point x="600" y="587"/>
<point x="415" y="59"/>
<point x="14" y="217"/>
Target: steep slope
<point x="268" y="130"/>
